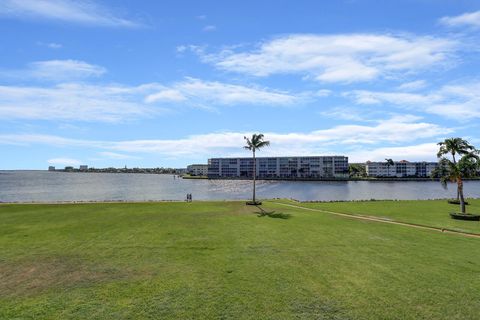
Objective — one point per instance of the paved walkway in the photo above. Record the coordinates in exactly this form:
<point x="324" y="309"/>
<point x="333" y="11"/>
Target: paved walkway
<point x="383" y="220"/>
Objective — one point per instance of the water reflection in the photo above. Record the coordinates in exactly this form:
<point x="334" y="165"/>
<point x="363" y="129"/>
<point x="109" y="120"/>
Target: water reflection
<point x="59" y="186"/>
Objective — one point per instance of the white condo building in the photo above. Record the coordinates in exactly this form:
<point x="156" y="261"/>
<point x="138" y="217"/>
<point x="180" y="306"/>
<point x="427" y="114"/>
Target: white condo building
<point x="400" y="169"/>
<point x="315" y="167"/>
<point x="198" y="169"/>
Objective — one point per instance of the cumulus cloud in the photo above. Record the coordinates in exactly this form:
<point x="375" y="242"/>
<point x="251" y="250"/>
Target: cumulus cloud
<point x="396" y="130"/>
<point x="336" y="58"/>
<point x="113" y="103"/>
<point x="456" y="101"/>
<point x="80" y="11"/>
<point x="419" y="152"/>
<point x="75" y="101"/>
<point x="471" y="19"/>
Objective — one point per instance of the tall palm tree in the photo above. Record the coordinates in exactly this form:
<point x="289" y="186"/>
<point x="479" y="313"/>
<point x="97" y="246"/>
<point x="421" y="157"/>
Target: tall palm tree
<point x="454" y="146"/>
<point x="466" y="167"/>
<point x="389" y="163"/>
<point x="253" y="144"/>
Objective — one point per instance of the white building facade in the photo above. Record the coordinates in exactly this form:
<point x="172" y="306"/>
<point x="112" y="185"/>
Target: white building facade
<point x="315" y="167"/>
<point x="197" y="169"/>
<point x="400" y="169"/>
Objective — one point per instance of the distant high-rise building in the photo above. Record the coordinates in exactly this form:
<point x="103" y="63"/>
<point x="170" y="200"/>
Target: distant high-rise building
<point x="51" y="168"/>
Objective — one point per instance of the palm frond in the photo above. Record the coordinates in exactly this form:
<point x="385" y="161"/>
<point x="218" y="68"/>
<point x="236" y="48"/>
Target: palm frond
<point x="454" y="146"/>
<point x="256" y="142"/>
<point x="263" y="144"/>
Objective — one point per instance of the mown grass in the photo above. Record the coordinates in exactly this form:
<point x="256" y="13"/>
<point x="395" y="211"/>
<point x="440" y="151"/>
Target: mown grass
<point x="433" y="213"/>
<point x="225" y="260"/>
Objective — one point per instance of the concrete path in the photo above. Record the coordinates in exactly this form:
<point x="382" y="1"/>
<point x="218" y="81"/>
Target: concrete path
<point x="383" y="220"/>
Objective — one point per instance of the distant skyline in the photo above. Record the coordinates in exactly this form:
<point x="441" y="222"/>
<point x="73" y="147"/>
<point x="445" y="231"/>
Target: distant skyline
<point x="170" y="83"/>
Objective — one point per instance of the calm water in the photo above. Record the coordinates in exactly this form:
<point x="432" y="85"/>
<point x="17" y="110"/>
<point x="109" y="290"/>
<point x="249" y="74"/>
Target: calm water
<point x="44" y="186"/>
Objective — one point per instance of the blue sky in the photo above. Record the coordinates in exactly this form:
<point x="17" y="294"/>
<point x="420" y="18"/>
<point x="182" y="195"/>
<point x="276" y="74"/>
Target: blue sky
<point x="169" y="83"/>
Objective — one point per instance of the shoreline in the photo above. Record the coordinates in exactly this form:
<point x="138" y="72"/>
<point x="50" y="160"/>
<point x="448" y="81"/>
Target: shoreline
<point x="222" y="200"/>
<point x="187" y="177"/>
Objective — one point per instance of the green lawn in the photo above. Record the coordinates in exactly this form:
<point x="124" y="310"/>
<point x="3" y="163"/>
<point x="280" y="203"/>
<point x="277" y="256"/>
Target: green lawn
<point x="431" y="213"/>
<point x="221" y="260"/>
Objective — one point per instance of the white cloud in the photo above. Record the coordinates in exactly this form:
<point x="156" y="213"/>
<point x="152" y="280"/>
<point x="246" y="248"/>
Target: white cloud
<point x="458" y="101"/>
<point x="54" y="45"/>
<point x="336" y="58"/>
<point x="166" y="95"/>
<point x="116" y="156"/>
<point x="209" y="28"/>
<point x="113" y="103"/>
<point x="348" y="113"/>
<point x="79" y="11"/>
<point x="396" y="130"/>
<point x="65" y="69"/>
<point x="323" y="93"/>
<point x="398" y="98"/>
<point x="64" y="162"/>
<point x="44" y="139"/>
<point x="471" y="19"/>
<point x="51" y="45"/>
<point x="413" y="85"/>
<point x="75" y="101"/>
<point x="56" y="70"/>
<point x="181" y="48"/>
<point x="201" y="92"/>
<point x="420" y="152"/>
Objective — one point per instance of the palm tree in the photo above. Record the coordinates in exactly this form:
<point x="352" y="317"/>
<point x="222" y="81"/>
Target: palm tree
<point x="256" y="142"/>
<point x="449" y="170"/>
<point x="356" y="170"/>
<point x="454" y="146"/>
<point x="389" y="163"/>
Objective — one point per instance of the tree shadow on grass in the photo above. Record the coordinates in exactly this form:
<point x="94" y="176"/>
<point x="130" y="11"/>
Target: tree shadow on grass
<point x="272" y="214"/>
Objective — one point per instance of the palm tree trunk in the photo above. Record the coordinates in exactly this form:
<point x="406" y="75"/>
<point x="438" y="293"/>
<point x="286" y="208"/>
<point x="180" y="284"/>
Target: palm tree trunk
<point x="460" y="191"/>
<point x="458" y="188"/>
<point x="254" y="175"/>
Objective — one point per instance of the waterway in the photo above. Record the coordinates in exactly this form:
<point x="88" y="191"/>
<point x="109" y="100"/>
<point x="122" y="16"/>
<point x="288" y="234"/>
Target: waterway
<point x="44" y="186"/>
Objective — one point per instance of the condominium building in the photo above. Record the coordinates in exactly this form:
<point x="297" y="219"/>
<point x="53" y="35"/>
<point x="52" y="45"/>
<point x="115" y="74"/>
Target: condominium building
<point x="400" y="169"/>
<point x="319" y="167"/>
<point x="197" y="169"/>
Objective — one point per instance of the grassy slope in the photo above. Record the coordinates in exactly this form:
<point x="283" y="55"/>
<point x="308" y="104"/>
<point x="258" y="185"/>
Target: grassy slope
<point x="220" y="260"/>
<point x="431" y="213"/>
